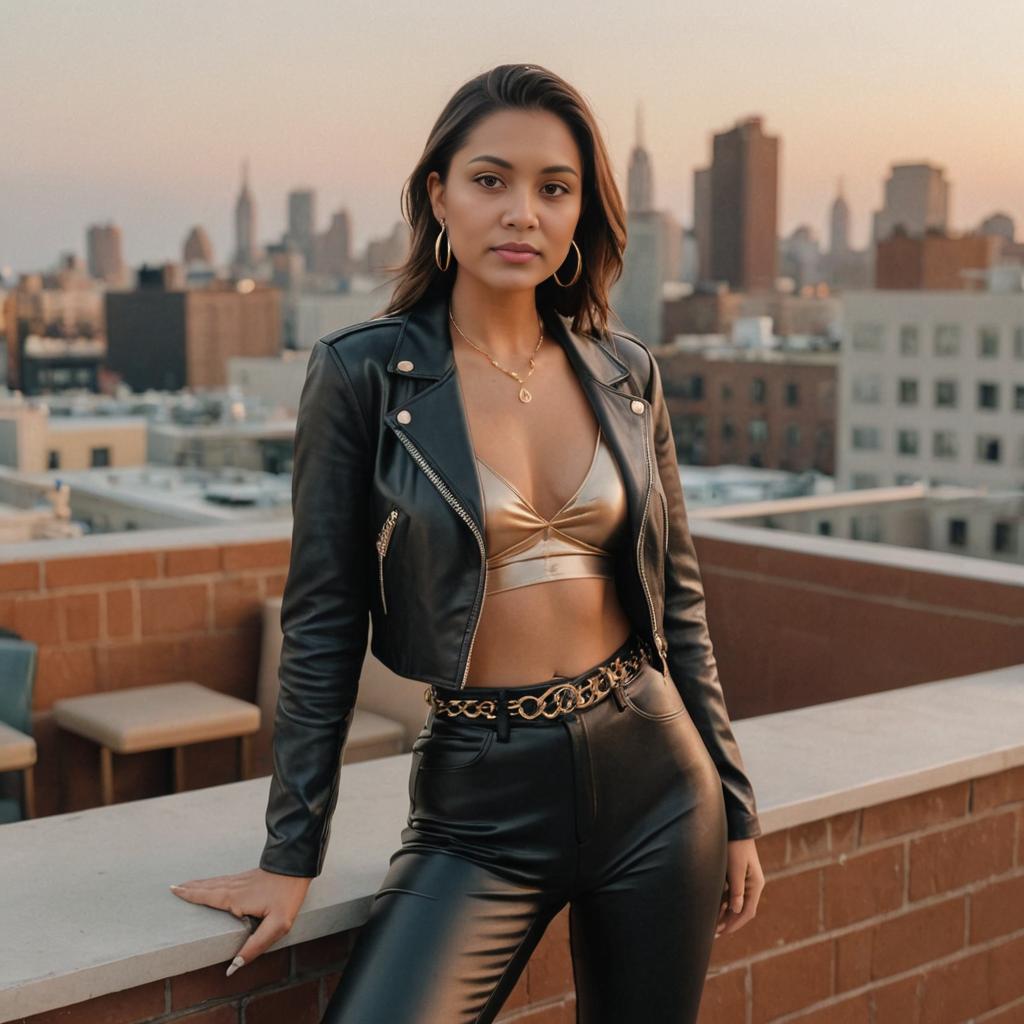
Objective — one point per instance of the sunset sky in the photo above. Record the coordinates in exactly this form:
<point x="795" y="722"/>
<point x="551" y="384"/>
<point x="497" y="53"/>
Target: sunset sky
<point x="142" y="112"/>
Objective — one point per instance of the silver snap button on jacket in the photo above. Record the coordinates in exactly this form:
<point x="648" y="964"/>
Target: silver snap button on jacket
<point x="636" y="405"/>
<point x="404" y="416"/>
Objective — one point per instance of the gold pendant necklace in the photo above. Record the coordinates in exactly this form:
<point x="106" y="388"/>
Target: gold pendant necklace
<point x="524" y="393"/>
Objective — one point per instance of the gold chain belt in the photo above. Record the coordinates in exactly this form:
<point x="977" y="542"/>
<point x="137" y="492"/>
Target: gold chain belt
<point x="558" y="699"/>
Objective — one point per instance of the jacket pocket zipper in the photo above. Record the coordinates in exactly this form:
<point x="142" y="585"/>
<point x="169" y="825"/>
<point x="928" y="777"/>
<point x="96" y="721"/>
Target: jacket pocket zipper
<point x="383" y="539"/>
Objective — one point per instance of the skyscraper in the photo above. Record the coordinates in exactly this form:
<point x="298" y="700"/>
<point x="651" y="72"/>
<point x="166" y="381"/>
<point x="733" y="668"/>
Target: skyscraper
<point x="302" y="222"/>
<point x="917" y="197"/>
<point x="198" y="248"/>
<point x="702" y="220"/>
<point x="744" y="206"/>
<point x="839" y="224"/>
<point x="103" y="252"/>
<point x="640" y="178"/>
<point x="245" y="224"/>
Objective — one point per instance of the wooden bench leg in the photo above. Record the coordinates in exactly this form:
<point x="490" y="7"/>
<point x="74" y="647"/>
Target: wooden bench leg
<point x="107" y="774"/>
<point x="28" y="788"/>
<point x="244" y="756"/>
<point x="179" y="769"/>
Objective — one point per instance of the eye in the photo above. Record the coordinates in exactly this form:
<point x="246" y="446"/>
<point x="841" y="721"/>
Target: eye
<point x="558" y="184"/>
<point x="480" y="178"/>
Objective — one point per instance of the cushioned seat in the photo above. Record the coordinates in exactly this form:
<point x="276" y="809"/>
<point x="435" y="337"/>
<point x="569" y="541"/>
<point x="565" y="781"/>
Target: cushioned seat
<point x="155" y="717"/>
<point x="17" y="750"/>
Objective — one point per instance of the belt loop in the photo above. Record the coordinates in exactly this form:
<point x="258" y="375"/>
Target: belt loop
<point x="502" y="713"/>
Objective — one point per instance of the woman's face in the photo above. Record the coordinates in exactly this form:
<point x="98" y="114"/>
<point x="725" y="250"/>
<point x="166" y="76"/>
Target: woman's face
<point x="518" y="178"/>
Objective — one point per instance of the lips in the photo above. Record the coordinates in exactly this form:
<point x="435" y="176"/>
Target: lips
<point x="515" y="247"/>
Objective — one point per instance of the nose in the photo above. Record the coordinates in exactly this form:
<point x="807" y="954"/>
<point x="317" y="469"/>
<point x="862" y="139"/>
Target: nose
<point x="519" y="213"/>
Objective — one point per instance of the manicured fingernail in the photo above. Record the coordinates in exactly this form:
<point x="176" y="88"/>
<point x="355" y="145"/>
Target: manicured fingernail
<point x="235" y="964"/>
<point x="175" y="888"/>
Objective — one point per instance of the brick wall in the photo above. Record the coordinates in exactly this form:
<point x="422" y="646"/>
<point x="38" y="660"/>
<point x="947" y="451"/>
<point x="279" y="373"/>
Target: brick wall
<point x="111" y="620"/>
<point x="908" y="912"/>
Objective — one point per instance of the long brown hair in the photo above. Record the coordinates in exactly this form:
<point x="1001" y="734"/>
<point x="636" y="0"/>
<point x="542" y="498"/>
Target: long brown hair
<point x="600" y="233"/>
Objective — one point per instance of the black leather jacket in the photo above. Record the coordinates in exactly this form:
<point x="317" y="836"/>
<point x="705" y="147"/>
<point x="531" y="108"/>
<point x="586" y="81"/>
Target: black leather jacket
<point x="388" y="525"/>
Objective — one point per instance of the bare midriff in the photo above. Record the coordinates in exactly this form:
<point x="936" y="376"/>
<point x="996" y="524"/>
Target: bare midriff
<point x="531" y="633"/>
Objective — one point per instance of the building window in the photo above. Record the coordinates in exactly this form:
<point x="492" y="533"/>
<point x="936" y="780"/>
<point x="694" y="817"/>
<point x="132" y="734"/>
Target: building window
<point x="958" y="532"/>
<point x="903" y="479"/>
<point x="757" y="431"/>
<point x="867" y="337"/>
<point x="792" y="393"/>
<point x="696" y="386"/>
<point x="824" y="528"/>
<point x="944" y="444"/>
<point x="792" y="435"/>
<point x="907" y="442"/>
<point x="910" y="340"/>
<point x="1018" y="342"/>
<point x="99" y="456"/>
<point x="988" y="395"/>
<point x="726" y="391"/>
<point x="867" y="388"/>
<point x="1018" y="396"/>
<point x="1004" y="537"/>
<point x="945" y="394"/>
<point x="53" y="459"/>
<point x="757" y="389"/>
<point x="863" y="480"/>
<point x="947" y="340"/>
<point x="988" y="342"/>
<point x="866" y="438"/>
<point x="728" y="429"/>
<point x="908" y="391"/>
<point x="987" y="448"/>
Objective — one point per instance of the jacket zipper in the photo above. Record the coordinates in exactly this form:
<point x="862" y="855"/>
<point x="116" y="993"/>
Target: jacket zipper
<point x="383" y="539"/>
<point x="664" y="509"/>
<point x="658" y="638"/>
<point x="454" y="502"/>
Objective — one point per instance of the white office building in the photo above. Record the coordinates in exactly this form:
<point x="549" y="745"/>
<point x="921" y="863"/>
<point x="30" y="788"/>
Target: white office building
<point x="931" y="387"/>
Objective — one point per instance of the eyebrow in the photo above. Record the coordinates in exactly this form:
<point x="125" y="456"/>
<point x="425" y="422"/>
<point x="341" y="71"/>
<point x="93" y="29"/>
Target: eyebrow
<point x="504" y="163"/>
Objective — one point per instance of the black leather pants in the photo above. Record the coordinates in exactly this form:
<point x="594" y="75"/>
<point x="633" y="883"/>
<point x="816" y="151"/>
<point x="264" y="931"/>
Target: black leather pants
<point x="619" y="813"/>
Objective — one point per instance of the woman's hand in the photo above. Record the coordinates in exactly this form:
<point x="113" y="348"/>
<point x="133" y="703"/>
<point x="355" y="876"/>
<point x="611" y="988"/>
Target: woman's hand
<point x="744" y="882"/>
<point x="256" y="893"/>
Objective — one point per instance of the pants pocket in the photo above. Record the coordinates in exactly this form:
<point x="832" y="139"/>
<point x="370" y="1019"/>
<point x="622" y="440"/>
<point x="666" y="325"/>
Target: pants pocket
<point x="654" y="696"/>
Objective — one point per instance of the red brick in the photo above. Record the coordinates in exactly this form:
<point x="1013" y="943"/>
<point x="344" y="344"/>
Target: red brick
<point x="844" y="832"/>
<point x="211" y="982"/>
<point x="84" y="570"/>
<point x="955" y="992"/>
<point x="725" y="997"/>
<point x="997" y="909"/>
<point x="63" y="672"/>
<point x="855" y="1010"/>
<point x="1006" y="971"/>
<point x="863" y="885"/>
<point x="19" y="576"/>
<point x="899" y="1002"/>
<point x="226" y="1013"/>
<point x="917" y="937"/>
<point x="853" y="959"/>
<point x="35" y="619"/>
<point x="1008" y="1015"/>
<point x="789" y="910"/>
<point x="998" y="789"/>
<point x="914" y="813"/>
<point x="298" y="1004"/>
<point x="263" y="555"/>
<point x="141" y="664"/>
<point x="808" y="842"/>
<point x="191" y="561"/>
<point x="119" y="604"/>
<point x="80" y="617"/>
<point x="961" y="854"/>
<point x="174" y="609"/>
<point x="127" y="1007"/>
<point x="273" y="585"/>
<point x="790" y="981"/>
<point x="237" y="602"/>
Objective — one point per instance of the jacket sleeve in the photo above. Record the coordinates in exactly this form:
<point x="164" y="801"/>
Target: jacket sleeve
<point x="691" y="656"/>
<point x="324" y="617"/>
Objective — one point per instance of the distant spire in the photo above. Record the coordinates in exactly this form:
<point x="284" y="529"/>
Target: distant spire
<point x="639" y="124"/>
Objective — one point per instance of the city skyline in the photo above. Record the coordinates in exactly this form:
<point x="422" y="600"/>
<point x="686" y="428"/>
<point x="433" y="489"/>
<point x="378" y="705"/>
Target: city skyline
<point x="154" y="126"/>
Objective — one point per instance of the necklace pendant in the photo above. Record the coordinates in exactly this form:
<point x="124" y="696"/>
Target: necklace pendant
<point x="524" y="395"/>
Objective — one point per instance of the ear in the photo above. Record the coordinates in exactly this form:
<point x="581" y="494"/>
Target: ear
<point x="435" y="192"/>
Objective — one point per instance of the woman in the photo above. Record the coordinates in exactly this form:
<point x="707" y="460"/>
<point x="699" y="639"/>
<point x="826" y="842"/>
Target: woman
<point x="497" y="489"/>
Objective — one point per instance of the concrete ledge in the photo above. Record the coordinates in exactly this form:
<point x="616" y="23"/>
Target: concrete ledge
<point x="87" y="909"/>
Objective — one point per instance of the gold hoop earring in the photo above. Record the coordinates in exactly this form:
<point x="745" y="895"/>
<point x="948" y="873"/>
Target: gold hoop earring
<point x="579" y="268"/>
<point x="437" y="248"/>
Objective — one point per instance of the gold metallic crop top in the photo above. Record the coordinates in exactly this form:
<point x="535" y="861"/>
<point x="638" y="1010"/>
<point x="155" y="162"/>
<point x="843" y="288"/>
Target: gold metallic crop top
<point x="578" y="541"/>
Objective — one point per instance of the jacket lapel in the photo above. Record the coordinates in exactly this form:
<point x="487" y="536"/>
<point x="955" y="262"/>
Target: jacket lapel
<point x="438" y="425"/>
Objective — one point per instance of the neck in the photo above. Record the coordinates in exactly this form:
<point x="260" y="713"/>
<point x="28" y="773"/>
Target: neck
<point x="504" y="322"/>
